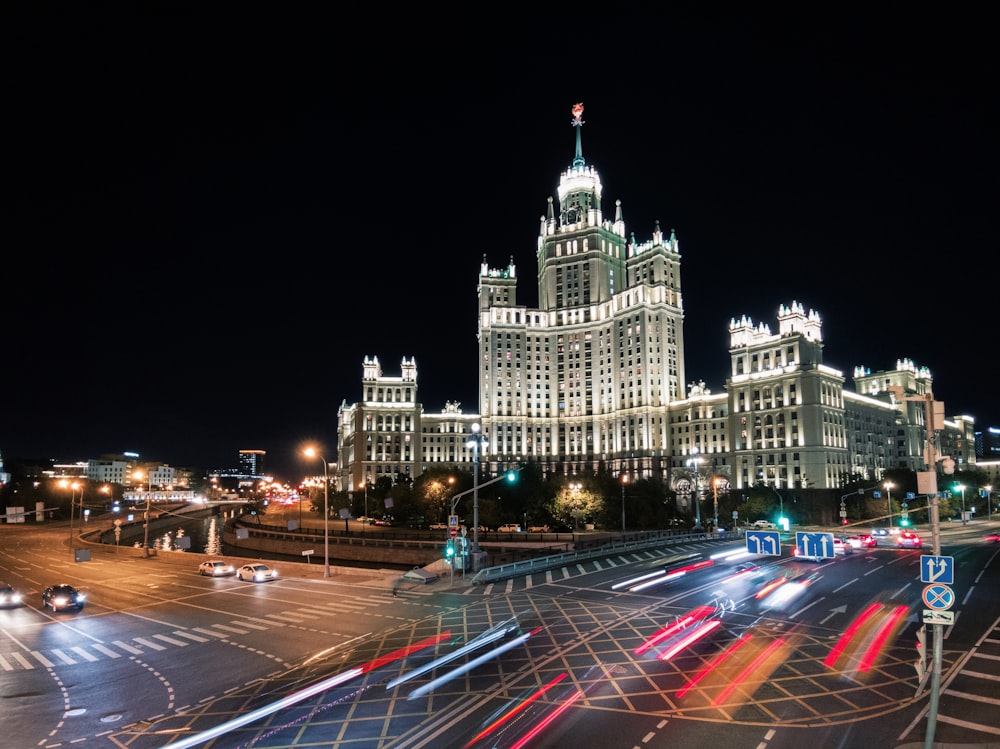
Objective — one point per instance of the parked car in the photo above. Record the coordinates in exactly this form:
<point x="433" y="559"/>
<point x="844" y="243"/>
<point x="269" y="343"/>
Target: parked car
<point x="9" y="596"/>
<point x="909" y="540"/>
<point x="216" y="568"/>
<point x="438" y="526"/>
<point x="64" y="596"/>
<point x="538" y="529"/>
<point x="509" y="528"/>
<point x="256" y="573"/>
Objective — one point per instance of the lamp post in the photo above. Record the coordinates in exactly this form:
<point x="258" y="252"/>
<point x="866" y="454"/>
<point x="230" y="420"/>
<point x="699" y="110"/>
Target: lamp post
<point x="715" y="503"/>
<point x="989" y="501"/>
<point x="73" y="486"/>
<point x="697" y="492"/>
<point x="145" y="515"/>
<point x="312" y="453"/>
<point x="624" y="481"/>
<point x="476" y="442"/>
<point x="365" y="486"/>
<point x="961" y="488"/>
<point x="888" y="492"/>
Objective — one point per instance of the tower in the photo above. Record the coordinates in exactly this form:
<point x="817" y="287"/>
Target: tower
<point x="587" y="376"/>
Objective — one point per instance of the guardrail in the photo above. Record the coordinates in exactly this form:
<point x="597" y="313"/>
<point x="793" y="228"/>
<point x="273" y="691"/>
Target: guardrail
<point x="616" y="546"/>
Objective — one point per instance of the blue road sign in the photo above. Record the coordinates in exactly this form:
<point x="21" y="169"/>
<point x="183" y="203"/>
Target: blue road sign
<point x="816" y="545"/>
<point x="937" y="569"/>
<point x="764" y="542"/>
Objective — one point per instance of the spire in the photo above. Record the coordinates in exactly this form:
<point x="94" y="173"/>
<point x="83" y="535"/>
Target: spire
<point x="578" y="124"/>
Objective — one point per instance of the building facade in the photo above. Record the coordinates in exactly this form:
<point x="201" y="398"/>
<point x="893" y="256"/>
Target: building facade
<point x="595" y="377"/>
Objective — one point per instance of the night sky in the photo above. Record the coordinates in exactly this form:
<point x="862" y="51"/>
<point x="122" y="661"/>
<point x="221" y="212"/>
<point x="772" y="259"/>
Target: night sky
<point x="214" y="217"/>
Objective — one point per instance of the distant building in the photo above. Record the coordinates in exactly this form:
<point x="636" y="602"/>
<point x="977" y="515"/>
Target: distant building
<point x="252" y="463"/>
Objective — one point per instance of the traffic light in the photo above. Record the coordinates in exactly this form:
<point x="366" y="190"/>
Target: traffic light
<point x="449" y="550"/>
<point x="511" y="476"/>
<point x="921" y="664"/>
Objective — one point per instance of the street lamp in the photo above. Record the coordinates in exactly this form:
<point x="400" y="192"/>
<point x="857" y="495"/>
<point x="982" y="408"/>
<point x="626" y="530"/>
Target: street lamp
<point x="624" y="481"/>
<point x="715" y="502"/>
<point x="697" y="491"/>
<point x="889" y="486"/>
<point x="311" y="453"/>
<point x="365" y="485"/>
<point x="476" y="442"/>
<point x="72" y="504"/>
<point x="989" y="500"/>
<point x="961" y="488"/>
<point x="145" y="522"/>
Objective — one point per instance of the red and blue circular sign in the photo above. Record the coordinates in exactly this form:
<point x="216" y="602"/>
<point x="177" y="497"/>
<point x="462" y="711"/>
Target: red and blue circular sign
<point x="938" y="597"/>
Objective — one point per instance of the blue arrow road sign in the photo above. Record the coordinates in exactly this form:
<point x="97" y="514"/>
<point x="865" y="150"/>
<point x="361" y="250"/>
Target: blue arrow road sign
<point x="817" y="545"/>
<point x="937" y="569"/>
<point x="764" y="542"/>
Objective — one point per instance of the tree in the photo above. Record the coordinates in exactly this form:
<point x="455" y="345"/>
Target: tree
<point x="576" y="500"/>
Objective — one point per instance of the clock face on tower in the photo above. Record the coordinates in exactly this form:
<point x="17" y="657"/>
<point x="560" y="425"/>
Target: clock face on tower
<point x="572" y="215"/>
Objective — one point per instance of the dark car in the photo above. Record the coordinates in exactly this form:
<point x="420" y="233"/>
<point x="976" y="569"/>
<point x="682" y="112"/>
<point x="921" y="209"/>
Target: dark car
<point x="9" y="596"/>
<point x="59" y="597"/>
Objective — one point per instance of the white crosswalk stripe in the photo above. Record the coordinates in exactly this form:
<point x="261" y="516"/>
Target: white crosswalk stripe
<point x="85" y="655"/>
<point x="148" y="643"/>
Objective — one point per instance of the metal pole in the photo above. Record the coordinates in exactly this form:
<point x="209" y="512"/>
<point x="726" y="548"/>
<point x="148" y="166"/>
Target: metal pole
<point x="475" y="496"/>
<point x="963" y="504"/>
<point x="715" y="496"/>
<point x="624" y="481"/>
<point x="72" y="504"/>
<point x="326" y="519"/>
<point x="697" y="491"/>
<point x="145" y="530"/>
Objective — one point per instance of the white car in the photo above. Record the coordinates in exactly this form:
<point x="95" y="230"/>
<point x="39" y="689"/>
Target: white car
<point x="216" y="568"/>
<point x="257" y="573"/>
<point x="509" y="528"/>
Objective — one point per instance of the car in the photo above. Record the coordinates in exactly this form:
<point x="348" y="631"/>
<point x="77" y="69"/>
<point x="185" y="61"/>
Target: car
<point x="538" y="529"/>
<point x="256" y="573"/>
<point x="993" y="538"/>
<point x="509" y="528"/>
<point x="862" y="541"/>
<point x="878" y="533"/>
<point x="216" y="568"/>
<point x="438" y="526"/>
<point x="9" y="596"/>
<point x="840" y="546"/>
<point x="765" y="524"/>
<point x="62" y="596"/>
<point x="909" y="540"/>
